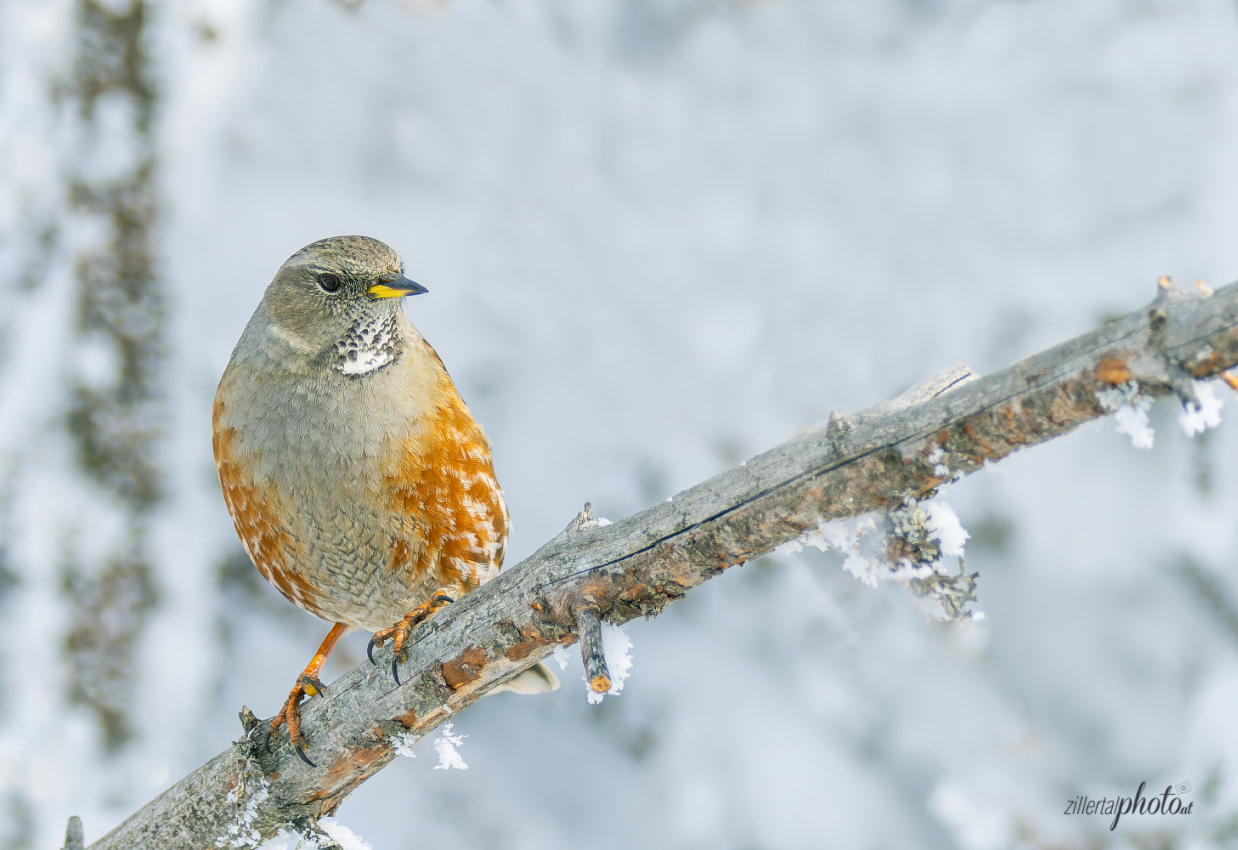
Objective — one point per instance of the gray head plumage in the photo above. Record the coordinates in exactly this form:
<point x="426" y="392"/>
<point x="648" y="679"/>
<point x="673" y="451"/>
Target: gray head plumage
<point x="337" y="297"/>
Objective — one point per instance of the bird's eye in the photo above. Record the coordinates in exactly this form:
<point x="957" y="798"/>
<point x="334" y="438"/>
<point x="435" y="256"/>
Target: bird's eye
<point x="329" y="282"/>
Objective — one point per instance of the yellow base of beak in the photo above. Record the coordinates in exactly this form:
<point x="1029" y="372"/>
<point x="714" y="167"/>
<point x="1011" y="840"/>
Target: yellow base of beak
<point x="381" y="290"/>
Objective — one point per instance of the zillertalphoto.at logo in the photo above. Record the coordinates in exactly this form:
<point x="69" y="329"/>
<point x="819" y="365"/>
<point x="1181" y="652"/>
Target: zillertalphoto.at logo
<point x="1169" y="802"/>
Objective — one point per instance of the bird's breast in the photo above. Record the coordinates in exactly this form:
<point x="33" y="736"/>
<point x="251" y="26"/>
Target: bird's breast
<point x="358" y="488"/>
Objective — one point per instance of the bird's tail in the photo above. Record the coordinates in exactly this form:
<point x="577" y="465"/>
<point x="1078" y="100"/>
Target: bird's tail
<point x="536" y="680"/>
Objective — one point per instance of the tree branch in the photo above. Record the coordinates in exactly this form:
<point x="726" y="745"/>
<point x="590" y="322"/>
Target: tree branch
<point x="878" y="458"/>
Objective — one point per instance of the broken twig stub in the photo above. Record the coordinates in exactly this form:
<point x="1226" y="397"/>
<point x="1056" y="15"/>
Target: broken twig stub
<point x="591" y="651"/>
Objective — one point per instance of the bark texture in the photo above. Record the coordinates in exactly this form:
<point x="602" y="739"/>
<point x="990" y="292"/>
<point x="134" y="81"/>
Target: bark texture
<point x="878" y="458"/>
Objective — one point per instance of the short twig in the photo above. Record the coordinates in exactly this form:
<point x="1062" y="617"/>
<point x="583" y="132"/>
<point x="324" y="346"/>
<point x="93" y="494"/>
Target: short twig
<point x="591" y="651"/>
<point x="73" y="837"/>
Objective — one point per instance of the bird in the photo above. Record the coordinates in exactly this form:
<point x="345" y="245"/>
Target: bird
<point x="358" y="481"/>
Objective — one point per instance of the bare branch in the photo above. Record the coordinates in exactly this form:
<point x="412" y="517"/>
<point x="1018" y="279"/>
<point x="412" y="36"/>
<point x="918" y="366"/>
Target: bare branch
<point x="878" y="458"/>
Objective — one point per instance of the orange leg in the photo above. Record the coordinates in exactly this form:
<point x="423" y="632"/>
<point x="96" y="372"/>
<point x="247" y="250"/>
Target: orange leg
<point x="307" y="685"/>
<point x="1229" y="378"/>
<point x="400" y="630"/>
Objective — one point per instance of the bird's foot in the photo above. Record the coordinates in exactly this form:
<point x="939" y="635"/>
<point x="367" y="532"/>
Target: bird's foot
<point x="290" y="714"/>
<point x="307" y="685"/>
<point x="398" y="633"/>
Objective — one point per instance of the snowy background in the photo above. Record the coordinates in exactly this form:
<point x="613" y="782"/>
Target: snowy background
<point x="660" y="236"/>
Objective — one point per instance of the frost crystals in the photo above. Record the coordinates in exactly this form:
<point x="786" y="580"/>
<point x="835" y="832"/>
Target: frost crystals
<point x="1130" y="409"/>
<point x="908" y="544"/>
<point x="327" y="834"/>
<point x="617" y="648"/>
<point x="403" y="744"/>
<point x="1197" y="419"/>
<point x="445" y="745"/>
<point x="241" y="832"/>
<point x="344" y="837"/>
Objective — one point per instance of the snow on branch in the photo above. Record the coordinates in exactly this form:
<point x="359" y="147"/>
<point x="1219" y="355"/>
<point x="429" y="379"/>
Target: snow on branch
<point x="886" y="457"/>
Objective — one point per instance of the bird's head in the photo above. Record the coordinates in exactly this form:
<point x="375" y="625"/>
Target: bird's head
<point x="335" y="285"/>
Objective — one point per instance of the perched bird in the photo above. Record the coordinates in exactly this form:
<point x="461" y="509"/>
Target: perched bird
<point x="358" y="481"/>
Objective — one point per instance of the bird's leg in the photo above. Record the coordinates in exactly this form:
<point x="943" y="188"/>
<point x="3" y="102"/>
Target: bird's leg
<point x="399" y="632"/>
<point x="307" y="685"/>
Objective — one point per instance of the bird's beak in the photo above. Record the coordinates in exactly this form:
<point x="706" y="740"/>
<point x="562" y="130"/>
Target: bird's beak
<point x="397" y="288"/>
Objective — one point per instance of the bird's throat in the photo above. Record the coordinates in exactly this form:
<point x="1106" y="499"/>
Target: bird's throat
<point x="370" y="344"/>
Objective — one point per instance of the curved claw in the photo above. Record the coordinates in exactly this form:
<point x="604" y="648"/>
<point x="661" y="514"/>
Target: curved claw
<point x="398" y="633"/>
<point x="290" y="715"/>
<point x="304" y="757"/>
<point x="307" y="684"/>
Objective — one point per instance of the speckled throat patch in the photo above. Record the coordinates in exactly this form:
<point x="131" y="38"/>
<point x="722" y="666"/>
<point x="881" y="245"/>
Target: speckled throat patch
<point x="370" y="344"/>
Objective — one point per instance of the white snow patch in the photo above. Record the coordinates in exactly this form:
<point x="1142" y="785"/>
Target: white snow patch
<point x="343" y="836"/>
<point x="403" y="744"/>
<point x="285" y="840"/>
<point x="1131" y="412"/>
<point x="602" y="521"/>
<point x="1133" y="420"/>
<point x="845" y="536"/>
<point x="1196" y="420"/>
<point x="849" y="536"/>
<point x="791" y="547"/>
<point x="864" y="543"/>
<point x="241" y="832"/>
<point x="616" y="647"/>
<point x="336" y="831"/>
<point x="561" y="655"/>
<point x="935" y="457"/>
<point x="814" y="537"/>
<point x="865" y="569"/>
<point x="448" y="755"/>
<point x="943" y="525"/>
